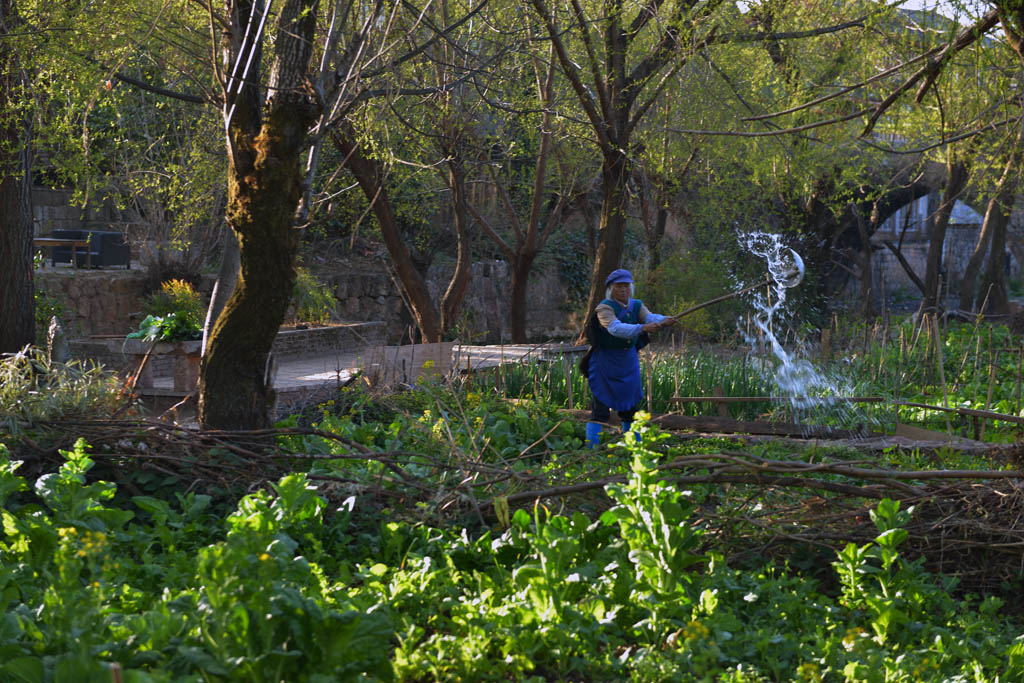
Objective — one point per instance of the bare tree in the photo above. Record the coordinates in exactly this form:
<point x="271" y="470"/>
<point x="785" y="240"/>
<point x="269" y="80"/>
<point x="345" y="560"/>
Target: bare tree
<point x="529" y="233"/>
<point x="997" y="217"/>
<point x="629" y="56"/>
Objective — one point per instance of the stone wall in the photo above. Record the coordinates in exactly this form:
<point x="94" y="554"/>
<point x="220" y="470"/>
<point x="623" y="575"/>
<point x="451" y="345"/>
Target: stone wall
<point x="890" y="277"/>
<point x="486" y="308"/>
<point x="371" y="295"/>
<point x="52" y="210"/>
<point x="365" y="295"/>
<point x="95" y="302"/>
<point x="108" y="302"/>
<point x="99" y="302"/>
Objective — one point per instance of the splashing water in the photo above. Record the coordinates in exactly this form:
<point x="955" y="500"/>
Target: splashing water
<point x="796" y="378"/>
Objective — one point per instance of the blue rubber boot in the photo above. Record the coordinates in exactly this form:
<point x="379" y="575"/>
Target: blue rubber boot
<point x="626" y="433"/>
<point x="593" y="434"/>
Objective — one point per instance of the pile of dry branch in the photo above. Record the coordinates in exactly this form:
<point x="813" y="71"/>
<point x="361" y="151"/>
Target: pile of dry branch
<point x="967" y="522"/>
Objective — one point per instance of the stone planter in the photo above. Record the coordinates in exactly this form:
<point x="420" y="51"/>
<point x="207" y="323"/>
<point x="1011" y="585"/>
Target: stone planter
<point x="185" y="358"/>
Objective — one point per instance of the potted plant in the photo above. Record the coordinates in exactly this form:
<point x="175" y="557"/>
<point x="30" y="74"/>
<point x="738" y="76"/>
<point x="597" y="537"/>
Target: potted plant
<point x="173" y="326"/>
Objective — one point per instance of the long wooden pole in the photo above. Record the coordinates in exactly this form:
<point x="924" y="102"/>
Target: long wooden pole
<point x="718" y="300"/>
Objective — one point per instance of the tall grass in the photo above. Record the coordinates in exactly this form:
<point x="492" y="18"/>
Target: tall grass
<point x="33" y="388"/>
<point x="664" y="374"/>
<point x="967" y="365"/>
<point x="982" y="367"/>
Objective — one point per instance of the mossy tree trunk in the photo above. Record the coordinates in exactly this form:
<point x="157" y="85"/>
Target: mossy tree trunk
<point x="264" y="141"/>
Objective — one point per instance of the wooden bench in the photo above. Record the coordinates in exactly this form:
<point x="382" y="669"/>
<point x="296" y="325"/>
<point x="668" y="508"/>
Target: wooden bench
<point x="51" y="242"/>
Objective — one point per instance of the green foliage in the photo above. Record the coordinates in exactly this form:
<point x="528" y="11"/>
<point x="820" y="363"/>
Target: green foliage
<point x="173" y="314"/>
<point x="33" y="389"/>
<point x="47" y="307"/>
<point x="685" y="280"/>
<point x="313" y="300"/>
<point x="567" y="251"/>
<point x="176" y="297"/>
<point x="447" y="427"/>
<point x="671" y="375"/>
<point x="105" y="591"/>
<point x="976" y="359"/>
<point x="282" y="592"/>
<point x="652" y="519"/>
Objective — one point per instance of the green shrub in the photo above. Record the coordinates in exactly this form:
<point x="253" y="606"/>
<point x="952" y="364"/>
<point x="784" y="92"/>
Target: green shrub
<point x="685" y="280"/>
<point x="173" y="313"/>
<point x="32" y="389"/>
<point x="313" y="300"/>
<point x="290" y="586"/>
<point x="47" y="306"/>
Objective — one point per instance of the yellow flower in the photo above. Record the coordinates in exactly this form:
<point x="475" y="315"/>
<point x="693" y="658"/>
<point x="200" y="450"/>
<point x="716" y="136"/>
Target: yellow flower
<point x="850" y="639"/>
<point x="264" y="557"/>
<point x="695" y="631"/>
<point x="809" y="671"/>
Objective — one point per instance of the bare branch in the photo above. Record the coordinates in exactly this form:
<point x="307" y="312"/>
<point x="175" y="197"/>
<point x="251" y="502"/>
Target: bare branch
<point x="845" y="90"/>
<point x="945" y="140"/>
<point x="965" y="38"/>
<point x="184" y="97"/>
<point x="760" y="36"/>
<point x="599" y="84"/>
<point x="770" y="133"/>
<point x="491" y="232"/>
<point x="585" y="97"/>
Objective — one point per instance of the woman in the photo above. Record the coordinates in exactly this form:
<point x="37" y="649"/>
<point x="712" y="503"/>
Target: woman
<point x="614" y="371"/>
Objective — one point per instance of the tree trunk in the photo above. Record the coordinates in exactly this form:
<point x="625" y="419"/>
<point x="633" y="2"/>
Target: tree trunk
<point x="517" y="306"/>
<point x="17" y="303"/>
<point x="414" y="287"/>
<point x="997" y="215"/>
<point x="654" y="228"/>
<point x="956" y="181"/>
<point x="224" y="287"/>
<point x="264" y="188"/>
<point x="993" y="298"/>
<point x="654" y="240"/>
<point x="612" y="226"/>
<point x="867" y="298"/>
<point x="589" y="224"/>
<point x="451" y="302"/>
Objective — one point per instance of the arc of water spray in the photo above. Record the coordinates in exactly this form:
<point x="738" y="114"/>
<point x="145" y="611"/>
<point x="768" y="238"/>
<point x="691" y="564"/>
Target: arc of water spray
<point x="796" y="378"/>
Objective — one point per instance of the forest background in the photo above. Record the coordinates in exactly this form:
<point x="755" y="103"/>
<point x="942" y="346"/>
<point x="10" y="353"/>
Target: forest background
<point x="249" y="133"/>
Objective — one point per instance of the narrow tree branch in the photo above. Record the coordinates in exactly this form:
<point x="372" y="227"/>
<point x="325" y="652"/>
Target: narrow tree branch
<point x="930" y="71"/>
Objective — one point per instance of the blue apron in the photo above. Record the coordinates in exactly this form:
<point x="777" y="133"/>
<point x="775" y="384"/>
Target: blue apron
<point x="614" y="366"/>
